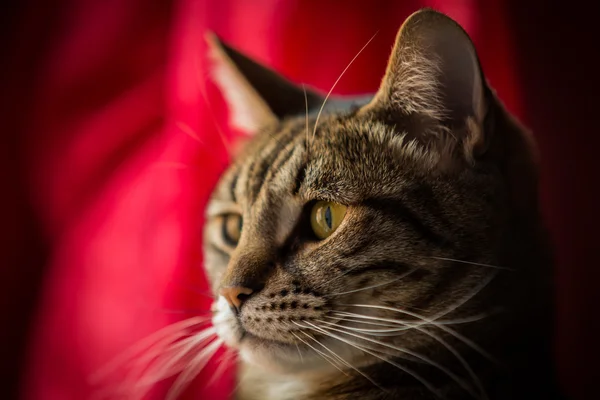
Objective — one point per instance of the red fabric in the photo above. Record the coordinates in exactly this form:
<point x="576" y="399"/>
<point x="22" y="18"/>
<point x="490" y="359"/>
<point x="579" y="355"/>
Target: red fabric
<point x="114" y="131"/>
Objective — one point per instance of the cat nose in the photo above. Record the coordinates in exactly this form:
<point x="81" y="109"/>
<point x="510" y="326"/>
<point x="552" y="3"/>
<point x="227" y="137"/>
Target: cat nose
<point x="236" y="295"/>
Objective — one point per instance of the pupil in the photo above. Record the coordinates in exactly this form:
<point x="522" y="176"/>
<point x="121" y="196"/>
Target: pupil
<point x="328" y="217"/>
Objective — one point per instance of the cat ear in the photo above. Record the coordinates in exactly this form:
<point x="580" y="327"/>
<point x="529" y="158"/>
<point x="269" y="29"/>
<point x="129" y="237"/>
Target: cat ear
<point x="256" y="95"/>
<point x="434" y="75"/>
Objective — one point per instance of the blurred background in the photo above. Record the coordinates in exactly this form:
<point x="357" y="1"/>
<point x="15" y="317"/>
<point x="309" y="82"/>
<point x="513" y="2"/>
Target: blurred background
<point x="110" y="144"/>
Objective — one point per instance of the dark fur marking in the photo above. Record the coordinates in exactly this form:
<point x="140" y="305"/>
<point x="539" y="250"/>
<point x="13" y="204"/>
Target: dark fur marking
<point x="399" y="211"/>
<point x="233" y="184"/>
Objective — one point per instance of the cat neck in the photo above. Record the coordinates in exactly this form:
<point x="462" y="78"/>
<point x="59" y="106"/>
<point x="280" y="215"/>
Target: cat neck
<point x="533" y="375"/>
<point x="256" y="383"/>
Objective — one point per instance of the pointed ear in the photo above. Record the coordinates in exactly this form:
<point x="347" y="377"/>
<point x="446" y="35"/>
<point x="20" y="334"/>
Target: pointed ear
<point x="434" y="74"/>
<point x="256" y="95"/>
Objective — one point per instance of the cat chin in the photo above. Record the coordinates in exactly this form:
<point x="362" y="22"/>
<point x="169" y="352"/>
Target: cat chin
<point x="281" y="358"/>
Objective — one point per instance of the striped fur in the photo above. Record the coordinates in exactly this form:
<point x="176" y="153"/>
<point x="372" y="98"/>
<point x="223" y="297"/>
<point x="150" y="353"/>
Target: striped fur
<point x="442" y="222"/>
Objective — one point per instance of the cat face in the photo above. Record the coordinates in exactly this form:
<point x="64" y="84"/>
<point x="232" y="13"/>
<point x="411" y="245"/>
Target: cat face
<point x="342" y="232"/>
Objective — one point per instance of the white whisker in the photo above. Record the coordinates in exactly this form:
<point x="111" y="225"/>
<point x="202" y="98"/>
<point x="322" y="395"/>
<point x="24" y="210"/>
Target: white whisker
<point x="193" y="369"/>
<point x="174" y="330"/>
<point x="342" y="360"/>
<point x="406" y="324"/>
<point x="445" y="344"/>
<point x="335" y="278"/>
<point x="336" y="82"/>
<point x="432" y="320"/>
<point x="472" y="263"/>
<point x="299" y="353"/>
<point x="333" y="354"/>
<point x="223" y="362"/>
<point x="174" y="355"/>
<point x="460" y="358"/>
<point x="374" y="286"/>
<point x="326" y="357"/>
<point x="404" y="350"/>
<point x="423" y="381"/>
<point x="359" y="320"/>
<point x="354" y="329"/>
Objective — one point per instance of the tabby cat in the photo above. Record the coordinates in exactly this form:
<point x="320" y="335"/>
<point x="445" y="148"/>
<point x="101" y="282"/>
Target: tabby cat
<point x="382" y="247"/>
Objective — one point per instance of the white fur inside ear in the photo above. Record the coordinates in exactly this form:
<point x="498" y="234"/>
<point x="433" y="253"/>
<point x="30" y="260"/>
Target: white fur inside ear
<point x="416" y="88"/>
<point x="247" y="111"/>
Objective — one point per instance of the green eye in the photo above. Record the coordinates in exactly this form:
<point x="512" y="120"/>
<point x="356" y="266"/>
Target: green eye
<point x="325" y="218"/>
<point x="232" y="228"/>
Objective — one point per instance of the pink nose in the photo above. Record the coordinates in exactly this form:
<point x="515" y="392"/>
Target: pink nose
<point x="236" y="295"/>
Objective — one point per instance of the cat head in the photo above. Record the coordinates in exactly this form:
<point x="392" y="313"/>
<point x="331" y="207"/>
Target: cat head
<point x="344" y="222"/>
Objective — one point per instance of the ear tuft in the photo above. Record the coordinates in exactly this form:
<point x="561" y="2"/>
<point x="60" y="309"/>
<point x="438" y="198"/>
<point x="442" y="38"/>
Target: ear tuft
<point x="248" y="112"/>
<point x="415" y="87"/>
<point x="434" y="69"/>
<point x="434" y="76"/>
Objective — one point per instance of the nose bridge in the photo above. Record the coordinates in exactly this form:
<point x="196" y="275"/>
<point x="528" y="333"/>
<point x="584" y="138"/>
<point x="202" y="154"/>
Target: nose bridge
<point x="249" y="268"/>
<point x="254" y="258"/>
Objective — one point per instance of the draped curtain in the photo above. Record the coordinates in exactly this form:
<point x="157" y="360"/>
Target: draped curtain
<point x="114" y="137"/>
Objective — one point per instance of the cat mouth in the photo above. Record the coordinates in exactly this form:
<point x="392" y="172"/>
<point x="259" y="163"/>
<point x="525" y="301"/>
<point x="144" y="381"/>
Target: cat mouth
<point x="236" y="334"/>
<point x="279" y="345"/>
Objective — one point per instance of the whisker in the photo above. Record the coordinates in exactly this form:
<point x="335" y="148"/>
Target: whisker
<point x="333" y="354"/>
<point x="336" y="82"/>
<point x="448" y="347"/>
<point x="223" y="362"/>
<point x="407" y="370"/>
<point x="148" y="341"/>
<point x="354" y="319"/>
<point x="460" y="359"/>
<point x="326" y="357"/>
<point x="431" y="320"/>
<point x="335" y="278"/>
<point x="342" y="360"/>
<point x="374" y="286"/>
<point x="194" y="368"/>
<point x="407" y="325"/>
<point x="349" y="365"/>
<point x="473" y="263"/>
<point x="428" y="360"/>
<point x="370" y="332"/>
<point x="182" y="348"/>
<point x="156" y="365"/>
<point x="299" y="353"/>
<point x="380" y="350"/>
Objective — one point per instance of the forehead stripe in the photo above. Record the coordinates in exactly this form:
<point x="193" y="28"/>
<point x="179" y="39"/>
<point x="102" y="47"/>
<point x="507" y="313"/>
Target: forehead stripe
<point x="271" y="162"/>
<point x="233" y="184"/>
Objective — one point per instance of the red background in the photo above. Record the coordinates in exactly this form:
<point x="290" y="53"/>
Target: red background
<point x="110" y="147"/>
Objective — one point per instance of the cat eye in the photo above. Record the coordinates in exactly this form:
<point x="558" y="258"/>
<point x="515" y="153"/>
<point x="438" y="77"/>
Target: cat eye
<point x="232" y="228"/>
<point x="326" y="217"/>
